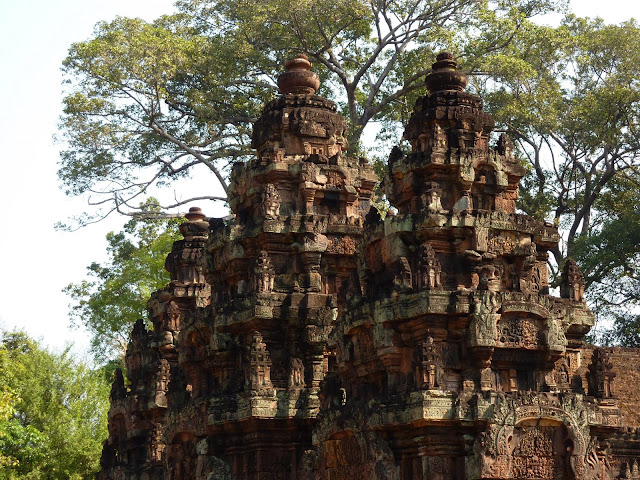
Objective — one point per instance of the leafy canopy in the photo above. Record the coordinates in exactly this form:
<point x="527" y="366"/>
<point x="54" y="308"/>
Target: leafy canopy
<point x="148" y="103"/>
<point x="53" y="412"/>
<point x="569" y="96"/>
<point x="115" y="296"/>
<point x="152" y="102"/>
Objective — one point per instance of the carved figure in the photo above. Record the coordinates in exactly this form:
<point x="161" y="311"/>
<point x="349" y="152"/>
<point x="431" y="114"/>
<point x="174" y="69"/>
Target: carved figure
<point x="173" y="317"/>
<point x="259" y="374"/>
<point x="482" y="238"/>
<point x="162" y="376"/>
<point x="483" y="327"/>
<point x="271" y="201"/>
<point x="572" y="281"/>
<point x="264" y="274"/>
<point x="556" y="339"/>
<point x="439" y="136"/>
<point x="535" y="278"/>
<point x="156" y="446"/>
<point x="428" y="271"/>
<point x="561" y="372"/>
<point x="428" y="361"/>
<point x="296" y="372"/>
<point x="433" y="195"/>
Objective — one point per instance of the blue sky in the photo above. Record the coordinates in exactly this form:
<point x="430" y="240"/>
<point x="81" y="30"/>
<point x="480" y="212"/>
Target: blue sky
<point x="37" y="260"/>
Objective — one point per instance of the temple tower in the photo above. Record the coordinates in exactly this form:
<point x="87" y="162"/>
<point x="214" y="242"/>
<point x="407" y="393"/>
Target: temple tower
<point x="455" y="361"/>
<point x="136" y="447"/>
<point x="275" y="268"/>
<point x="304" y="337"/>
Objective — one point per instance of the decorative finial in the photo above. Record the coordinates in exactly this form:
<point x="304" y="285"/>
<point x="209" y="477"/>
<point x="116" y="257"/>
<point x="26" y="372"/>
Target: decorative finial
<point x="298" y="79"/>
<point x="196" y="226"/>
<point x="195" y="214"/>
<point x="445" y="75"/>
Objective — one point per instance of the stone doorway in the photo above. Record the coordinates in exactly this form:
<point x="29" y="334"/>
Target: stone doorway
<point x="541" y="452"/>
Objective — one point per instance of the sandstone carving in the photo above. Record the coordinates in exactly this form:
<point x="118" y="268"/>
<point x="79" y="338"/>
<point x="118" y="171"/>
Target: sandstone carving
<point x="305" y="337"/>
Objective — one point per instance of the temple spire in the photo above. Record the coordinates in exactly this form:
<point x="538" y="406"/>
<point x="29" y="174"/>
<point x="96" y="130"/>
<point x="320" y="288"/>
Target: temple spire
<point x="298" y="79"/>
<point x="445" y="75"/>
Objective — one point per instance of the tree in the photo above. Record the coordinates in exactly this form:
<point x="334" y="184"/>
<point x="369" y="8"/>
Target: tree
<point x="152" y="102"/>
<point x="569" y="96"/>
<point x="570" y="99"/>
<point x="611" y="255"/>
<point x="145" y="108"/>
<point x="116" y="295"/>
<point x="54" y="420"/>
<point x="571" y="104"/>
<point x="17" y="442"/>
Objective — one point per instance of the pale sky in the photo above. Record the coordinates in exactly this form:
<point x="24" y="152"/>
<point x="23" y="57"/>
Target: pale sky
<point x="37" y="260"/>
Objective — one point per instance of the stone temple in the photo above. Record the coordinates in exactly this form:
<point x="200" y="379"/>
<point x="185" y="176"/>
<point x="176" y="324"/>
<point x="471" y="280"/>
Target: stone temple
<point x="305" y="338"/>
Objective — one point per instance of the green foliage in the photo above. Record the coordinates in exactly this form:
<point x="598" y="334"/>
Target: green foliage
<point x="145" y="104"/>
<point x="115" y="296"/>
<point x="569" y="96"/>
<point x="534" y="199"/>
<point x="150" y="102"/>
<point x="52" y="413"/>
<point x="373" y="56"/>
<point x="610" y="256"/>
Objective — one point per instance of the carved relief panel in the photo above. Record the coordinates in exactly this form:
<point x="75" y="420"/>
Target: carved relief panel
<point x="535" y="279"/>
<point x="516" y="332"/>
<point x="525" y="452"/>
<point x="539" y="453"/>
<point x="502" y="243"/>
<point x="356" y="456"/>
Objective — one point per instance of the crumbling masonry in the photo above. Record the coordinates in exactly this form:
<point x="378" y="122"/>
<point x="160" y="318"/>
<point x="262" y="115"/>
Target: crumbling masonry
<point x="304" y="337"/>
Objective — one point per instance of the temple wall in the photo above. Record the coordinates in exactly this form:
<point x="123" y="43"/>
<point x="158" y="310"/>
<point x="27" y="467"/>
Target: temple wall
<point x="626" y="386"/>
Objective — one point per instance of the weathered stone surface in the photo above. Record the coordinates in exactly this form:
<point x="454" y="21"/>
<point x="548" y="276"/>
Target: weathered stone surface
<point x="304" y="337"/>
